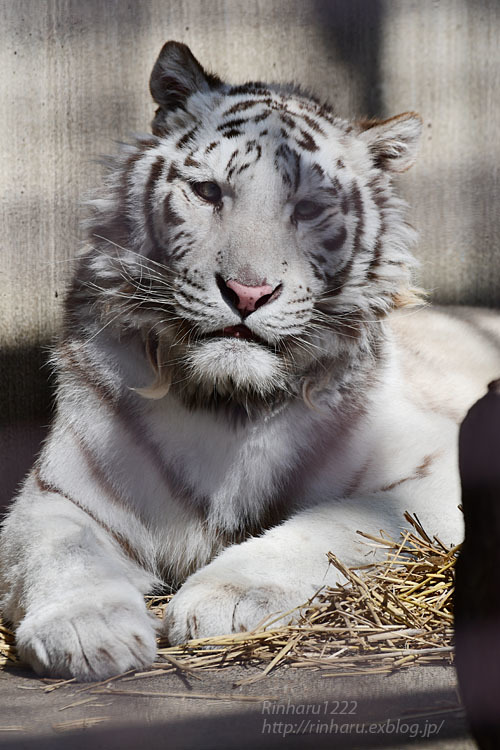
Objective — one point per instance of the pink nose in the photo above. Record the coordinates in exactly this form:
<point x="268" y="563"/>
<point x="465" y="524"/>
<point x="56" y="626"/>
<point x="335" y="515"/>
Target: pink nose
<point x="249" y="296"/>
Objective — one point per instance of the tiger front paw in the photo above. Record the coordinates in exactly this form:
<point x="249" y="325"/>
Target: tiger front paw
<point x="206" y="607"/>
<point x="91" y="642"/>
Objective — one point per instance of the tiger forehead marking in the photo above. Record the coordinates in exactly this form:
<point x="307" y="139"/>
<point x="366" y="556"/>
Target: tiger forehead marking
<point x="253" y="226"/>
<point x="290" y="124"/>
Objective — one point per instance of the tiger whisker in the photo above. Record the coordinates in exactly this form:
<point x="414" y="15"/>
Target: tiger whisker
<point x="99" y="331"/>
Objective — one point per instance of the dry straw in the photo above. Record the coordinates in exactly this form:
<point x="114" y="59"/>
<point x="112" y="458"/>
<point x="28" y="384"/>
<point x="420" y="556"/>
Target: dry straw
<point x="386" y="616"/>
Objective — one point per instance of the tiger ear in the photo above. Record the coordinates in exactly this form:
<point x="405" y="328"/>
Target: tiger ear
<point x="393" y="143"/>
<point x="176" y="75"/>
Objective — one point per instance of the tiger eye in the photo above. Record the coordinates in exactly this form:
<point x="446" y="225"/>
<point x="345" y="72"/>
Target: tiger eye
<point x="208" y="191"/>
<point x="306" y="210"/>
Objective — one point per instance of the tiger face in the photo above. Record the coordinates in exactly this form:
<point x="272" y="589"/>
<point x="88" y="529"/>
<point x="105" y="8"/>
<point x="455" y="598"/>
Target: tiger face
<point x="254" y="237"/>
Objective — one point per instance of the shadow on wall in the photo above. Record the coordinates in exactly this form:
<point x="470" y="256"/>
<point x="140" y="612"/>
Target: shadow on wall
<point x="352" y="29"/>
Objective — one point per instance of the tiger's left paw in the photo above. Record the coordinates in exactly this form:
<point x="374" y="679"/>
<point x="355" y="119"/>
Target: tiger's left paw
<point x="208" y="606"/>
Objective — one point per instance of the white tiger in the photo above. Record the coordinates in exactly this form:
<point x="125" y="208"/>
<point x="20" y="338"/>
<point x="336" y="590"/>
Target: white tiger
<point x="237" y="392"/>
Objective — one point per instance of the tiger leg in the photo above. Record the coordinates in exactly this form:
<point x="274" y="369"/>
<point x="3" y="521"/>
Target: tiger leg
<point x="273" y="575"/>
<point x="73" y="595"/>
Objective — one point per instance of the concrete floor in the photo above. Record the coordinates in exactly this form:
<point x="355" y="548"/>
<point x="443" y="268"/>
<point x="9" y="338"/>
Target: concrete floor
<point x="290" y="708"/>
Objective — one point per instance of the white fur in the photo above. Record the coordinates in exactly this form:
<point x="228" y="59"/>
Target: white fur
<point x="234" y="363"/>
<point x="77" y="598"/>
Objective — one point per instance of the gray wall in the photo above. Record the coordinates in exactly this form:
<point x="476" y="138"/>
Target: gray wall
<point x="73" y="78"/>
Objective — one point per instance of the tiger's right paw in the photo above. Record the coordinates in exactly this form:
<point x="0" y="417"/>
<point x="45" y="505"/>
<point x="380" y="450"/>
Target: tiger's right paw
<point x="88" y="642"/>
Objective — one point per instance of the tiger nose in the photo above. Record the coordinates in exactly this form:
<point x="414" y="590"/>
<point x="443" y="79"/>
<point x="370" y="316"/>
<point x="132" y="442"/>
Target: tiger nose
<point x="249" y="297"/>
<point x="244" y="297"/>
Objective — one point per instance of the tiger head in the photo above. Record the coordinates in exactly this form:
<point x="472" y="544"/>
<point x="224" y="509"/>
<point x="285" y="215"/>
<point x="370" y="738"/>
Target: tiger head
<point x="255" y="239"/>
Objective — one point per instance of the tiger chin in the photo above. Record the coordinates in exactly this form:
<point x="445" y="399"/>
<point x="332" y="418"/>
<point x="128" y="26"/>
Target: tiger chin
<point x="248" y="257"/>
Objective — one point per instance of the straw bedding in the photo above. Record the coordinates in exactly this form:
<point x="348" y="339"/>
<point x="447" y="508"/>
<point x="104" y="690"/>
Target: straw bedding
<point x="389" y="615"/>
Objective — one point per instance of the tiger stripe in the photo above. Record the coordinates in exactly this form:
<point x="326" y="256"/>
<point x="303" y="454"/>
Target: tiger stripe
<point x="154" y="176"/>
<point x="356" y="201"/>
<point x="232" y="133"/>
<point x="263" y="116"/>
<point x="170" y="216"/>
<point x="187" y="137"/>
<point x="307" y="142"/>
<point x="88" y="373"/>
<point x="235" y="123"/>
<point x="46" y="487"/>
<point x="173" y="173"/>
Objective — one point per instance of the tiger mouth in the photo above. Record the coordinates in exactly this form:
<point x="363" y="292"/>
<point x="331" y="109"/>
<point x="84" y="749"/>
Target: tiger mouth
<point x="239" y="331"/>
